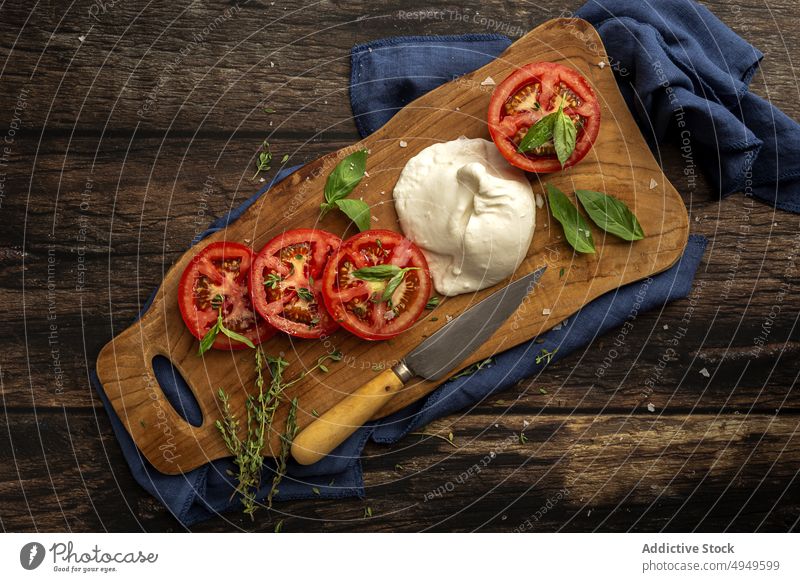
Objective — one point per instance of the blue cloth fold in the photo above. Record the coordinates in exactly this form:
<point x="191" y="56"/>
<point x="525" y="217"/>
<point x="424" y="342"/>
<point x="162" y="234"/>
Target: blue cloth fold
<point x="386" y="75"/>
<point x="686" y="74"/>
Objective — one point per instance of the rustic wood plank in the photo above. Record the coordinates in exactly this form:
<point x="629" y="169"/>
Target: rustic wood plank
<point x="622" y="472"/>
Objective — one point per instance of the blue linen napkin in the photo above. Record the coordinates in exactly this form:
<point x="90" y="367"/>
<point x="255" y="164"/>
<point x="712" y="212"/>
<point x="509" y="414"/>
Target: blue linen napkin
<point x="385" y="75"/>
<point x="677" y="62"/>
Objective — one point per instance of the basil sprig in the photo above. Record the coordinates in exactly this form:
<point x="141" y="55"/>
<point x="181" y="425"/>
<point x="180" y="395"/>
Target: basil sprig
<point x="611" y="214"/>
<point x="575" y="228"/>
<point x="558" y="127"/>
<point x="215" y="330"/>
<point x="340" y="183"/>
<point x="378" y="273"/>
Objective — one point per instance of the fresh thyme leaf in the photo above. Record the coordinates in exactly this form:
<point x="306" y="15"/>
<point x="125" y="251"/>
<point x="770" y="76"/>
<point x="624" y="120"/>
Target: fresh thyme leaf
<point x="522" y="438"/>
<point x="290" y="431"/>
<point x="611" y="214"/>
<point x="538" y="134"/>
<point x="263" y="161"/>
<point x="546" y="356"/>
<point x="575" y="228"/>
<point x="343" y="179"/>
<point x="561" y="272"/>
<point x="473" y="368"/>
<point x="285" y="158"/>
<point x="433" y="302"/>
<point x="367" y="511"/>
<point x="272" y="280"/>
<point x="315" y="490"/>
<point x="279" y="526"/>
<point x="269" y="110"/>
<point x="305" y="294"/>
<point x="564" y="135"/>
<point x="542" y="391"/>
<point x="357" y="211"/>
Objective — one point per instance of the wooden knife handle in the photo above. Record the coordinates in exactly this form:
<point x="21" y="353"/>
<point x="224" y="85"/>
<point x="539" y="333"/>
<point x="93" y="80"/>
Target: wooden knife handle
<point x="332" y="428"/>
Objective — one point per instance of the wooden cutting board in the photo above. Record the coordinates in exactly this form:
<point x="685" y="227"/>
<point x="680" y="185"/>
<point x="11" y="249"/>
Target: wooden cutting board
<point x="620" y="163"/>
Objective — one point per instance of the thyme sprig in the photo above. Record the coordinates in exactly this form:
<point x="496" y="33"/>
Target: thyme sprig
<point x="261" y="409"/>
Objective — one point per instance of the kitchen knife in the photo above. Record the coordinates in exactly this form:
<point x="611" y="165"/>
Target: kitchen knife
<point x="435" y="357"/>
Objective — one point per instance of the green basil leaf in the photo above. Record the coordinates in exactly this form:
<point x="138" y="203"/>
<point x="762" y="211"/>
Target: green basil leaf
<point x="345" y="176"/>
<point x="357" y="211"/>
<point x="611" y="214"/>
<point x="538" y="134"/>
<point x="394" y="283"/>
<point x="564" y="134"/>
<point x="236" y="337"/>
<point x="376" y="272"/>
<point x="575" y="228"/>
<point x="209" y="338"/>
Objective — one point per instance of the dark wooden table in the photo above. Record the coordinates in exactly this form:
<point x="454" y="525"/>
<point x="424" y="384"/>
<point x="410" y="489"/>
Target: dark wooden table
<point x="116" y="116"/>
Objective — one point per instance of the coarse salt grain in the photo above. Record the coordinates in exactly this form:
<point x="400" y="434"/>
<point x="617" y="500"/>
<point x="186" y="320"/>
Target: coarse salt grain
<point x="488" y="82"/>
<point x="546" y="312"/>
<point x="403" y="144"/>
<point x="650" y="407"/>
<point x="705" y="373"/>
<point x="653" y="183"/>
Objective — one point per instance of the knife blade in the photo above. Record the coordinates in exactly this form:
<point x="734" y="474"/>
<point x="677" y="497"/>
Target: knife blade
<point x="432" y="359"/>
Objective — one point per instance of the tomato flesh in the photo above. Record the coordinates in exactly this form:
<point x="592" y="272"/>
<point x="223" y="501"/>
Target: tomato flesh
<point x="286" y="282"/>
<point x="358" y="305"/>
<point x="529" y="94"/>
<point x="218" y="277"/>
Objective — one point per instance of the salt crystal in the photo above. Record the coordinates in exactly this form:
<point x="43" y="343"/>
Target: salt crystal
<point x="653" y="183"/>
<point x="666" y="326"/>
<point x="262" y="180"/>
<point x="602" y="64"/>
<point x="539" y="201"/>
<point x="545" y="312"/>
<point x="366" y="174"/>
<point x="458" y="108"/>
<point x="271" y="64"/>
<point x="82" y="37"/>
<point x="650" y="407"/>
<point x="705" y="373"/>
<point x="449" y="317"/>
<point x="375" y="218"/>
<point x="403" y="144"/>
<point x="525" y="423"/>
<point x="488" y="82"/>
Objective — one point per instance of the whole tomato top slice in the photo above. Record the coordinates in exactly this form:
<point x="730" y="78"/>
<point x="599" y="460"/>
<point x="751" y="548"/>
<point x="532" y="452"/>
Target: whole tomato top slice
<point x="532" y="92"/>
<point x="217" y="278"/>
<point x="364" y="307"/>
<point x="286" y="282"/>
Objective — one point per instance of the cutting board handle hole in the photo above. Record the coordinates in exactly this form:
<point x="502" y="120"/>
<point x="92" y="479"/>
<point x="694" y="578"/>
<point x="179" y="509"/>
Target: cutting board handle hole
<point x="177" y="391"/>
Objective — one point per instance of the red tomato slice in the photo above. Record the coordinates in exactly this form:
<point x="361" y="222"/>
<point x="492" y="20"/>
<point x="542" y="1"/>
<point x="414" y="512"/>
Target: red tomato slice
<point x="286" y="282"/>
<point x="526" y="96"/>
<point x="357" y="304"/>
<point x="219" y="275"/>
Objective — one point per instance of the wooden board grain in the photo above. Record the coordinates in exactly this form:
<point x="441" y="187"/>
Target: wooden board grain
<point x="620" y="163"/>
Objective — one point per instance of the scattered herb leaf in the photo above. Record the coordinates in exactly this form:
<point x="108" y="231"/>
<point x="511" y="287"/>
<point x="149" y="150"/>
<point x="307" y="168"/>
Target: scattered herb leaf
<point x="343" y="179"/>
<point x="575" y="228"/>
<point x="522" y="438"/>
<point x="279" y="526"/>
<point x="357" y="211"/>
<point x="564" y="135"/>
<point x="304" y="294"/>
<point x="545" y="356"/>
<point x="367" y="511"/>
<point x="272" y="280"/>
<point x="214" y="331"/>
<point x="433" y="302"/>
<point x="473" y="368"/>
<point x="538" y="134"/>
<point x="611" y="214"/>
<point x="263" y="160"/>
